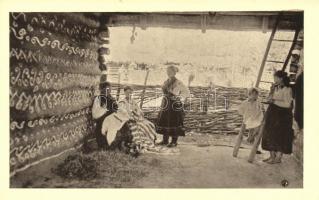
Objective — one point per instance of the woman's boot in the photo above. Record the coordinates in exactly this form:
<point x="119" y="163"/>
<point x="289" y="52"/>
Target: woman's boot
<point x="174" y="142"/>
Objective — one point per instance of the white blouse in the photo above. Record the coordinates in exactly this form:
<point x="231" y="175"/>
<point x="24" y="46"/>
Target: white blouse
<point x="97" y="109"/>
<point x="282" y="97"/>
<point x="252" y="113"/>
<point x="180" y="90"/>
<point x="130" y="106"/>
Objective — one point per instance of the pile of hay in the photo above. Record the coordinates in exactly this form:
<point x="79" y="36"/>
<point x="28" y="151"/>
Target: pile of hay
<point x="78" y="166"/>
<point x="111" y="166"/>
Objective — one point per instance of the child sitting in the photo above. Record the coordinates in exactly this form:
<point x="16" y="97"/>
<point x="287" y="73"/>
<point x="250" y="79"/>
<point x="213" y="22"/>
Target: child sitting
<point x="251" y="110"/>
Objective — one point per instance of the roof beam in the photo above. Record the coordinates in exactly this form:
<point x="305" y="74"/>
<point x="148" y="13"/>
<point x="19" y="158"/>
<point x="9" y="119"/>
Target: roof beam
<point x="236" y="21"/>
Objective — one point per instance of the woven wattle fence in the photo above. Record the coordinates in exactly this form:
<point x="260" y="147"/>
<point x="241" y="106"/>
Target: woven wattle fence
<point x="220" y="119"/>
<point x="53" y="70"/>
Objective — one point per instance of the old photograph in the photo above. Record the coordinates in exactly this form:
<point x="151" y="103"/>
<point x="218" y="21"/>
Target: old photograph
<point x="156" y="99"/>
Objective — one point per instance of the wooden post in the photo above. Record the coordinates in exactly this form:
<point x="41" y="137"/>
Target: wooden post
<point x="257" y="142"/>
<point x="239" y="139"/>
<point x="265" y="24"/>
<point x="244" y="77"/>
<point x="118" y="86"/>
<point x="103" y="50"/>
<point x="144" y="88"/>
<point x="203" y="23"/>
<point x="215" y="99"/>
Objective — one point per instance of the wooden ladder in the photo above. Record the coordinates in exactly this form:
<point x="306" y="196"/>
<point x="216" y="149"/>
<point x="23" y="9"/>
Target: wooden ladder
<point x="258" y="81"/>
<point x="270" y="41"/>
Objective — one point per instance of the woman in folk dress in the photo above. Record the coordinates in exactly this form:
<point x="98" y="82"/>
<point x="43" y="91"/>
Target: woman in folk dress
<point x="278" y="133"/>
<point x="142" y="131"/>
<point x="140" y="136"/>
<point x="171" y="116"/>
<point x="104" y="105"/>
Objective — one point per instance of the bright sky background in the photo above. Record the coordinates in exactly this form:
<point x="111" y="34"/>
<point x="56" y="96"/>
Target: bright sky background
<point x="234" y="50"/>
<point x="158" y="45"/>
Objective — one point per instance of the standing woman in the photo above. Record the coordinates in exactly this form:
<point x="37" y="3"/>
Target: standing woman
<point x="171" y="116"/>
<point x="278" y="132"/>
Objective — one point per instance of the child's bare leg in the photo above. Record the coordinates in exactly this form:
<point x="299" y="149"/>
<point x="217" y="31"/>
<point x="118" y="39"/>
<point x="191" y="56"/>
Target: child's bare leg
<point x="255" y="133"/>
<point x="278" y="157"/>
<point x="271" y="157"/>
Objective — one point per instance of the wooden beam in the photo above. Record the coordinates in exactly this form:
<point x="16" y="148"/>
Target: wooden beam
<point x="236" y="21"/>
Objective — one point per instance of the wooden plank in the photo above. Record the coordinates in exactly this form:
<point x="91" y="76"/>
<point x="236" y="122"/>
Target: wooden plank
<point x="256" y="143"/>
<point x="144" y="88"/>
<point x="274" y="61"/>
<point x="282" y="40"/>
<point x="239" y="139"/>
<point x="119" y="88"/>
<point x="266" y="82"/>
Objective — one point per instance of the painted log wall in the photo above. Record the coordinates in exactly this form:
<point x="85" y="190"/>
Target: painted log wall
<point x="53" y="72"/>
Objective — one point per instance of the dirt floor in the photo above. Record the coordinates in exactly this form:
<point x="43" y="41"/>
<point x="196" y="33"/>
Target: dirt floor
<point x="204" y="162"/>
<point x="214" y="167"/>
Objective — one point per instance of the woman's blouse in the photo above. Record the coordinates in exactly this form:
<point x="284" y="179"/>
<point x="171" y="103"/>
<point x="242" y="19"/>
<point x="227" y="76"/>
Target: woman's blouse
<point x="282" y="97"/>
<point x="177" y="88"/>
<point x="131" y="107"/>
<point x="103" y="106"/>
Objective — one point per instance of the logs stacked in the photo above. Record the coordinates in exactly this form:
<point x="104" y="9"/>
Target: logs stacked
<point x="53" y="70"/>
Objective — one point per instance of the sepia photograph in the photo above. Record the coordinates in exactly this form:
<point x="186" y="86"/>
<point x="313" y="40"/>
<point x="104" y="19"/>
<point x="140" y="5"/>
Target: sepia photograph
<point x="156" y="99"/>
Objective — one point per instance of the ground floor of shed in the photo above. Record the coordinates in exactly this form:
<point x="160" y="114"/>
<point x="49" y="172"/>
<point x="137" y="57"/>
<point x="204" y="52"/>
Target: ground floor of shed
<point x="196" y="166"/>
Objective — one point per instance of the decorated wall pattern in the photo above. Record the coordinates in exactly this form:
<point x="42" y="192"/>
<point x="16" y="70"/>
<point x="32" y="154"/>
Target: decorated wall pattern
<point x="54" y="69"/>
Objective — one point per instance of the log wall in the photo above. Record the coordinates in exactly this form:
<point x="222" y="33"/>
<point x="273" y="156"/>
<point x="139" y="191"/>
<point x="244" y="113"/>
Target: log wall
<point x="53" y="70"/>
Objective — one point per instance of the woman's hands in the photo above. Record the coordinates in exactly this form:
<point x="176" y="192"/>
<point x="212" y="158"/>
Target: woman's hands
<point x="270" y="100"/>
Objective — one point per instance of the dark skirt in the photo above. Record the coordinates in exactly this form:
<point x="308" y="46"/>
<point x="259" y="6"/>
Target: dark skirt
<point x="299" y="101"/>
<point x="171" y="117"/>
<point x="278" y="133"/>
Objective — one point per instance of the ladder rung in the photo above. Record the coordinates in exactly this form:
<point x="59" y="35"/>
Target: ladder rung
<point x="266" y="82"/>
<point x="278" y="40"/>
<point x="274" y="61"/>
